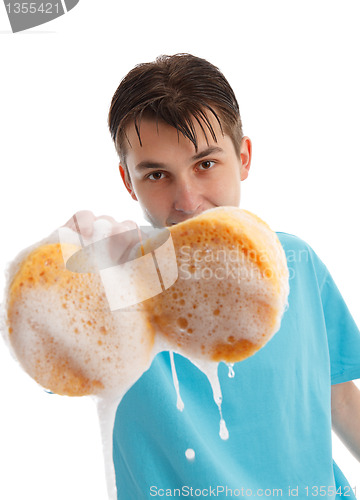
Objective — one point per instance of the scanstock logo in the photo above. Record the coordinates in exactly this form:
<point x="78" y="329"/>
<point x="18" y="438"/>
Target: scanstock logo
<point x="25" y="15"/>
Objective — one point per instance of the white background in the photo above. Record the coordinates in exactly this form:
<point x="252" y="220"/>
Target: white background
<point x="294" y="68"/>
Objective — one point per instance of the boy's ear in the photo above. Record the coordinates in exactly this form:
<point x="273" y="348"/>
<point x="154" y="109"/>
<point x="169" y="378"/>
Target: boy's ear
<point x="127" y="182"/>
<point x="245" y="155"/>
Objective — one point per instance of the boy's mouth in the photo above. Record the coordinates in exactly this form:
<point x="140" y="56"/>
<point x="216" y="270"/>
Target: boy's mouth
<point x="173" y="223"/>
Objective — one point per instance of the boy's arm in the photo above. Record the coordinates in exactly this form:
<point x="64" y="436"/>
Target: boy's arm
<point x="345" y="413"/>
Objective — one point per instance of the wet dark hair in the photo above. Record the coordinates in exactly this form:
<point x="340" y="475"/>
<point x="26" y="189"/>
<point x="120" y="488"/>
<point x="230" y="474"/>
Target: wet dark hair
<point x="178" y="90"/>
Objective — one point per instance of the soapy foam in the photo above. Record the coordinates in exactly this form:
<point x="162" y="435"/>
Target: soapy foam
<point x="232" y="287"/>
<point x="63" y="332"/>
<point x="179" y="401"/>
<point x="210" y="369"/>
<point x="231" y="373"/>
<point x="107" y="407"/>
<point x="209" y="315"/>
<point x="64" y="335"/>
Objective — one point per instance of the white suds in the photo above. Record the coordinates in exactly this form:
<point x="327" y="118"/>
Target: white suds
<point x="222" y="307"/>
<point x="231" y="373"/>
<point x="224" y="433"/>
<point x="179" y="401"/>
<point x="190" y="454"/>
<point x="211" y="371"/>
<point x="106" y="408"/>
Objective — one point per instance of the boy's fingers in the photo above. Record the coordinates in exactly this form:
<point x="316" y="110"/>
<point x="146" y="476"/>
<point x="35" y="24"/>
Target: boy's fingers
<point x="107" y="217"/>
<point x="121" y="227"/>
<point x="82" y="223"/>
<point x="123" y="241"/>
<point x="124" y="235"/>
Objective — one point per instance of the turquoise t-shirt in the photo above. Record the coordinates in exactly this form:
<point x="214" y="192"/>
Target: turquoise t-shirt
<point x="277" y="408"/>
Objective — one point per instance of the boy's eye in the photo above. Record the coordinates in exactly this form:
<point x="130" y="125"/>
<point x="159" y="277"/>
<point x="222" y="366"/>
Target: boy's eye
<point x="205" y="165"/>
<point x="155" y="176"/>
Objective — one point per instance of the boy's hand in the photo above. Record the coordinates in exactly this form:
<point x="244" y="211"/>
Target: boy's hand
<point x="118" y="238"/>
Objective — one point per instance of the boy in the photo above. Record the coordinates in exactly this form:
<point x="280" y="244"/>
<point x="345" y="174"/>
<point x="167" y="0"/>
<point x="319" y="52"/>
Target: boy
<point x="177" y="129"/>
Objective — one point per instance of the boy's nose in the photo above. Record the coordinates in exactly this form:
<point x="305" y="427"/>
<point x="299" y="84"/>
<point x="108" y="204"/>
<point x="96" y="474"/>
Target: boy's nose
<point x="187" y="198"/>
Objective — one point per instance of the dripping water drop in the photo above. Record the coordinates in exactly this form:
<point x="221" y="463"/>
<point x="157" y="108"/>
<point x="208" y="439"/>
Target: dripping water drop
<point x="231" y="373"/>
<point x="224" y="433"/>
<point x="179" y="401"/>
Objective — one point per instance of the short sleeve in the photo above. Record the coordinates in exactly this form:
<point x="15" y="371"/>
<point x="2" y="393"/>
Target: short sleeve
<point x="342" y="332"/>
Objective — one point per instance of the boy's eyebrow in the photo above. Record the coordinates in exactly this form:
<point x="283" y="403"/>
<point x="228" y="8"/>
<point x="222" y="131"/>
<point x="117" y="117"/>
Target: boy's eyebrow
<point x="143" y="165"/>
<point x="150" y="164"/>
<point x="206" y="152"/>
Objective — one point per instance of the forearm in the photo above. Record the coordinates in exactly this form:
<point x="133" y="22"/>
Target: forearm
<point x="345" y="412"/>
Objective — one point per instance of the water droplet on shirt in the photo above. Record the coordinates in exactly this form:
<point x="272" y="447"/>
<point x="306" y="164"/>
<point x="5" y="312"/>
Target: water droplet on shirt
<point x="179" y="401"/>
<point x="224" y="433"/>
<point x="231" y="373"/>
<point x="210" y="370"/>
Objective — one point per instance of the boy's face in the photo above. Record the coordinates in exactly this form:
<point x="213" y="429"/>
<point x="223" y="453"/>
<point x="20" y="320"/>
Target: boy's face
<point x="173" y="182"/>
